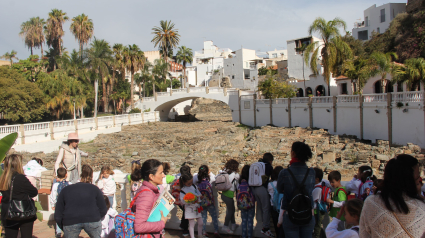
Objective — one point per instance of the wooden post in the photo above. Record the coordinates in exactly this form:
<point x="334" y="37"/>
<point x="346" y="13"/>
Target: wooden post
<point x="155" y="115"/>
<point x="143" y="117"/>
<point x="97" y="123"/>
<point x="390" y="120"/>
<point x="334" y="100"/>
<point x="207" y="90"/>
<point x="156" y="96"/>
<point x="76" y="125"/>
<point x="22" y="131"/>
<point x="239" y="104"/>
<point x="271" y="112"/>
<point x="171" y="92"/>
<point x="129" y="119"/>
<point x="188" y="89"/>
<point x="254" y="103"/>
<point x="361" y="99"/>
<point x="225" y="91"/>
<point x="310" y="111"/>
<point x="113" y="121"/>
<point x="289" y="113"/>
<point x="52" y="135"/>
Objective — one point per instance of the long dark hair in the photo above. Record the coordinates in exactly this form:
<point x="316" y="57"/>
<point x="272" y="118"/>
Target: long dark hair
<point x="398" y="181"/>
<point x="302" y="151"/>
<point x="184" y="177"/>
<point x="149" y="167"/>
<point x="203" y="173"/>
<point x="366" y="172"/>
<point x="244" y="173"/>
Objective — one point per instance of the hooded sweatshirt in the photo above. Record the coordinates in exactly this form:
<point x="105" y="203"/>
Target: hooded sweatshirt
<point x="70" y="157"/>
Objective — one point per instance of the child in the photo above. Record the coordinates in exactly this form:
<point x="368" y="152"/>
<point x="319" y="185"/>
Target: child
<point x="207" y="199"/>
<point x="274" y="197"/>
<point x="362" y="182"/>
<point x="108" y="229"/>
<point x="168" y="179"/>
<point x="317" y="193"/>
<point x="134" y="178"/>
<point x="351" y="210"/>
<point x="339" y="197"/>
<point x="246" y="203"/>
<point x="175" y="192"/>
<point x="56" y="189"/>
<point x="106" y="183"/>
<point x="192" y="211"/>
<point x="231" y="168"/>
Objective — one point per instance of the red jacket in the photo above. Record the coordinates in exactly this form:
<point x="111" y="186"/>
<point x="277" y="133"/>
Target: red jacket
<point x="143" y="206"/>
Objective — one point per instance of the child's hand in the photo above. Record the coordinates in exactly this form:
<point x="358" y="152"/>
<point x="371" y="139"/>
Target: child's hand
<point x="329" y="200"/>
<point x="340" y="212"/>
<point x="164" y="219"/>
<point x="53" y="208"/>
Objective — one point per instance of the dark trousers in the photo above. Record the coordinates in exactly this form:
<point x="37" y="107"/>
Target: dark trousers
<point x="184" y="224"/>
<point x="275" y="217"/>
<point x="25" y="227"/>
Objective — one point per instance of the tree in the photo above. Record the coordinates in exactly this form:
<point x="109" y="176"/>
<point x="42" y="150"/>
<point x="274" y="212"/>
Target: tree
<point x="146" y="75"/>
<point x="184" y="56"/>
<point x="272" y="88"/>
<point x="333" y="47"/>
<point x="30" y="68"/>
<point x="382" y="65"/>
<point x="412" y="72"/>
<point x="115" y="97"/>
<point x="359" y="71"/>
<point x="32" y="33"/>
<point x="82" y="28"/>
<point x="99" y="56"/>
<point x="165" y="36"/>
<point x="135" y="59"/>
<point x="160" y="71"/>
<point x="54" y="30"/>
<point x="20" y="100"/>
<point x="10" y="56"/>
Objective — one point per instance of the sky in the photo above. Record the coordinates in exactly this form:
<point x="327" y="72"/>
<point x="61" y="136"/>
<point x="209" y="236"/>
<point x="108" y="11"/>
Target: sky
<point x="259" y="25"/>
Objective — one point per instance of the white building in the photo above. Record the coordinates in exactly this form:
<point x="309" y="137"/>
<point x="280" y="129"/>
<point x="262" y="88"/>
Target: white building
<point x="377" y="19"/>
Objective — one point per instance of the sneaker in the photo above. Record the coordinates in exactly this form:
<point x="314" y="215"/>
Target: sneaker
<point x="267" y="233"/>
<point x="186" y="233"/>
<point x="205" y="234"/>
<point x="227" y="230"/>
<point x="217" y="235"/>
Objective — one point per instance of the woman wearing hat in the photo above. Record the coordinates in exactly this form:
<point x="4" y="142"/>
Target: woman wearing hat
<point x="69" y="157"/>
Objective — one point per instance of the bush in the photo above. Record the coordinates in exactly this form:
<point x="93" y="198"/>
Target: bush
<point x="135" y="110"/>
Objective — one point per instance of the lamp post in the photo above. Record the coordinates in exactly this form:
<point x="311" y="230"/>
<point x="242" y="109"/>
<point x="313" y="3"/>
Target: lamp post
<point x="74" y="108"/>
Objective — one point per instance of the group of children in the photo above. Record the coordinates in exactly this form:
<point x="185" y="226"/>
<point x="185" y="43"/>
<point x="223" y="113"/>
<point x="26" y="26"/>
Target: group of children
<point x="106" y="184"/>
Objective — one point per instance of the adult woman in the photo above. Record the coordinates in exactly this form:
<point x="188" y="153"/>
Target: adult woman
<point x="152" y="173"/>
<point x="81" y="206"/>
<point x="300" y="154"/>
<point x="69" y="157"/>
<point x="232" y="168"/>
<point x="396" y="211"/>
<point x="13" y="175"/>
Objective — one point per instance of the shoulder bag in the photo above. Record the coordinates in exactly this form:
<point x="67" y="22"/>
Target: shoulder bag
<point x="20" y="209"/>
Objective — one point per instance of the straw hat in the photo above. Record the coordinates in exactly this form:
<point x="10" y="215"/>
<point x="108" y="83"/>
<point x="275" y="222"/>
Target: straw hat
<point x="73" y="136"/>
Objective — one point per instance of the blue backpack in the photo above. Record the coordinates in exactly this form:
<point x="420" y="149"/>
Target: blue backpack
<point x="365" y="190"/>
<point x="124" y="222"/>
<point x="207" y="198"/>
<point x="244" y="197"/>
<point x="277" y="198"/>
<point x="62" y="185"/>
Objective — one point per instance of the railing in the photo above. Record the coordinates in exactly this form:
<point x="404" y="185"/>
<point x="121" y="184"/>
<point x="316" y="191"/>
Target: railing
<point x="300" y="100"/>
<point x="104" y="119"/>
<point x="262" y="101"/>
<point x="9" y="129"/>
<point x="86" y="121"/>
<point x="348" y="98"/>
<point x="162" y="94"/>
<point x="149" y="99"/>
<point x="63" y="123"/>
<point x="375" y="98"/>
<point x="280" y="101"/>
<point x="216" y="90"/>
<point x="326" y="99"/>
<point x="197" y="89"/>
<point x="407" y="96"/>
<point x="36" y="126"/>
<point x="180" y="90"/>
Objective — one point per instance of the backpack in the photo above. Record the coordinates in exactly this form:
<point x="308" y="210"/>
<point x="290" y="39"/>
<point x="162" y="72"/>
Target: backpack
<point x="205" y="188"/>
<point x="111" y="227"/>
<point x="124" y="222"/>
<point x="244" y="197"/>
<point x="363" y="193"/>
<point x="277" y="198"/>
<point x="257" y="172"/>
<point x="62" y="184"/>
<point x="175" y="192"/>
<point x="299" y="207"/>
<point x="322" y="205"/>
<point x="222" y="182"/>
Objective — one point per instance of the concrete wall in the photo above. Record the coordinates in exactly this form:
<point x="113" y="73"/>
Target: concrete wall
<point x="234" y="68"/>
<point x="295" y="61"/>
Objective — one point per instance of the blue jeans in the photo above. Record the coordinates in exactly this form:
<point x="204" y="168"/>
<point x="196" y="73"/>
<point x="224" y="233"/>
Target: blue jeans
<point x="293" y="231"/>
<point x="93" y="229"/>
<point x="213" y="214"/>
<point x="247" y="222"/>
<point x="111" y="200"/>
<point x="58" y="230"/>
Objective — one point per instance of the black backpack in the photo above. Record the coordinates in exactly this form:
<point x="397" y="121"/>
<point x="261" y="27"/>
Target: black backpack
<point x="299" y="208"/>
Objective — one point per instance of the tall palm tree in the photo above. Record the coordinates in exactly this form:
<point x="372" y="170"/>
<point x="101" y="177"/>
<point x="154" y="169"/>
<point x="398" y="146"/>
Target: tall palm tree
<point x="26" y="34"/>
<point x="301" y="50"/>
<point x="165" y="36"/>
<point x="32" y="33"/>
<point x="82" y="28"/>
<point x="99" y="57"/>
<point x="382" y="65"/>
<point x="146" y="75"/>
<point x="184" y="56"/>
<point x="160" y="69"/>
<point x="332" y="46"/>
<point x="10" y="56"/>
<point x="135" y="60"/>
<point x="119" y="53"/>
<point x="54" y="30"/>
<point x="412" y="72"/>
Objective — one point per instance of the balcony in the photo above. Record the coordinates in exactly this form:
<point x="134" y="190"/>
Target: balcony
<point x="362" y="24"/>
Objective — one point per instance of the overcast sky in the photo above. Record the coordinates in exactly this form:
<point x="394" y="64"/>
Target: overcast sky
<point x="258" y="25"/>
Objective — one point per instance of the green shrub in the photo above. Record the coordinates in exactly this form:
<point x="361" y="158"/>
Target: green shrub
<point x="135" y="110"/>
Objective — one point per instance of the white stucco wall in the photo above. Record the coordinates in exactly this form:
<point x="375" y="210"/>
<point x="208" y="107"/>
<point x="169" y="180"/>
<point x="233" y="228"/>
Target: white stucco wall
<point x="280" y="115"/>
<point x="234" y="69"/>
<point x="295" y="61"/>
<point x="263" y="113"/>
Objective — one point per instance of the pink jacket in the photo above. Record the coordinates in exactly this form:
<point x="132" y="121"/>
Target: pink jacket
<point x="142" y="207"/>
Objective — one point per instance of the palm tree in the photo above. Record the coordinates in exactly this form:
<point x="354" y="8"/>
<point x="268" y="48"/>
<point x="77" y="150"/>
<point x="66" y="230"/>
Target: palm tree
<point x="135" y="60"/>
<point x="412" y="72"/>
<point x="82" y="28"/>
<point x="53" y="29"/>
<point x="165" y="36"/>
<point x="10" y="56"/>
<point x="359" y="71"/>
<point x="99" y="57"/>
<point x="160" y="69"/>
<point x="146" y="75"/>
<point x="26" y="34"/>
<point x="32" y="33"/>
<point x="382" y="65"/>
<point x="332" y="46"/>
<point x="301" y="50"/>
<point x="184" y="55"/>
<point x="115" y="97"/>
<point x="119" y="53"/>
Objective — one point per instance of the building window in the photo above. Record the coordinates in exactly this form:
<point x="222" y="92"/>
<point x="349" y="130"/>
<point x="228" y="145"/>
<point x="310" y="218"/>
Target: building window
<point x="233" y="76"/>
<point x="382" y="15"/>
<point x="233" y="64"/>
<point x="246" y="105"/>
<point x="366" y="19"/>
<point x="362" y="35"/>
<point x="274" y="55"/>
<point x="378" y="30"/>
<point x="344" y="88"/>
<point x="246" y="76"/>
